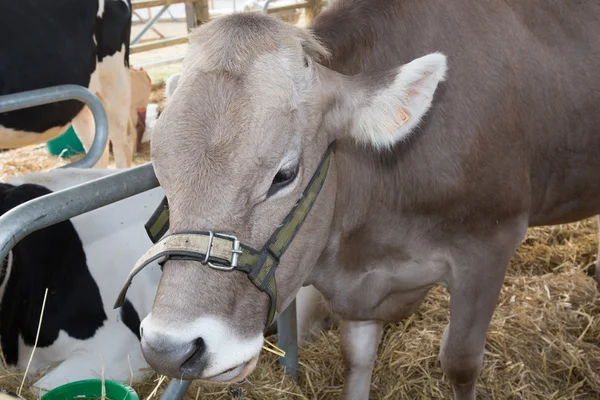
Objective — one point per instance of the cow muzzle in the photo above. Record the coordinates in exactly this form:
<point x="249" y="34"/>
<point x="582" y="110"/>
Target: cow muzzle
<point x="205" y="349"/>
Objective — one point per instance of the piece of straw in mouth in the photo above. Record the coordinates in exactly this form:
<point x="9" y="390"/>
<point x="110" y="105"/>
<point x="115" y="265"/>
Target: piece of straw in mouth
<point x="37" y="335"/>
<point x="274" y="349"/>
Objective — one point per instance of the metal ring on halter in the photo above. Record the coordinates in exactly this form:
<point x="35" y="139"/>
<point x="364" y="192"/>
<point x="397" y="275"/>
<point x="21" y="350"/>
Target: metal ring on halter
<point x="211" y="235"/>
<point x="236" y="251"/>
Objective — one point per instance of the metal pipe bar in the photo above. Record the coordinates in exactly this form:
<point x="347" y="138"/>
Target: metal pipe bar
<point x="143" y="21"/>
<point x="54" y="94"/>
<point x="175" y="390"/>
<point x="160" y="62"/>
<point x="137" y="4"/>
<point x="158" y="44"/>
<point x="265" y="6"/>
<point x="292" y="6"/>
<point x="150" y="24"/>
<point x="287" y="340"/>
<point x="173" y="19"/>
<point x="59" y="206"/>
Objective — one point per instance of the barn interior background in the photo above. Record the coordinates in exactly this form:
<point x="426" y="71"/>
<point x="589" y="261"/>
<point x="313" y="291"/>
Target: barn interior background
<point x="544" y="340"/>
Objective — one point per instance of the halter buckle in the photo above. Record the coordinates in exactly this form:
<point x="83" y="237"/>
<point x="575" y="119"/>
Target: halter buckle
<point x="236" y="250"/>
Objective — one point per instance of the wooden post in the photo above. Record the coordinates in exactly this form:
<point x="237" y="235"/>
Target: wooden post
<point x="313" y="9"/>
<point x="196" y="13"/>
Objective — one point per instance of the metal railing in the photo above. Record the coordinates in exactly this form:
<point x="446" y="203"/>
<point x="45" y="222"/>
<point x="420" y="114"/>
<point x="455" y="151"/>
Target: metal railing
<point x="54" y="94"/>
<point x="61" y="205"/>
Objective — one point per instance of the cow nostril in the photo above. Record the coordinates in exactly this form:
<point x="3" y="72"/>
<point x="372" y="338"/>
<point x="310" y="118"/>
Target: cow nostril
<point x="141" y="331"/>
<point x="196" y="360"/>
<point x="199" y="345"/>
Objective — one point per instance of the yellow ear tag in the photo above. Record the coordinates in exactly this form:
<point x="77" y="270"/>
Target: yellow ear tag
<point x="401" y="118"/>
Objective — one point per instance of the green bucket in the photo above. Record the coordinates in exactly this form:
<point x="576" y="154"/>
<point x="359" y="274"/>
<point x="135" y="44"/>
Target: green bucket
<point x="91" y="389"/>
<point x="65" y="145"/>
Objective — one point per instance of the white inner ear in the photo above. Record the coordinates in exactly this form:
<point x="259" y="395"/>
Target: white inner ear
<point x="391" y="113"/>
<point x="171" y="85"/>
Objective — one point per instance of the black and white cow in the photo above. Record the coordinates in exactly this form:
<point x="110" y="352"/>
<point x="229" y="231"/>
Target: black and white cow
<point x="83" y="262"/>
<point x="46" y="43"/>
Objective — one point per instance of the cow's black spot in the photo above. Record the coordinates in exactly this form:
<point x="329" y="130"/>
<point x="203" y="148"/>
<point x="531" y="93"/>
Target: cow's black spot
<point x="50" y="258"/>
<point x="48" y="43"/>
<point x="130" y="318"/>
<point x="113" y="29"/>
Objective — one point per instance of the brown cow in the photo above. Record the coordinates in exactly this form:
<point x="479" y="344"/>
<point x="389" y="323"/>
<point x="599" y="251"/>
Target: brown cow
<point x="420" y="190"/>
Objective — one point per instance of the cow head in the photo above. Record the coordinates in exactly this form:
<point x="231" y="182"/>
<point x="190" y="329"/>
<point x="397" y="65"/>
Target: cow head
<point x="245" y="129"/>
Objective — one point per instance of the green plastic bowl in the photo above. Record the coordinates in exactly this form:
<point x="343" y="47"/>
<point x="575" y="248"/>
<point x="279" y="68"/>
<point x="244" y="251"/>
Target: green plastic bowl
<point x="67" y="142"/>
<point x="91" y="389"/>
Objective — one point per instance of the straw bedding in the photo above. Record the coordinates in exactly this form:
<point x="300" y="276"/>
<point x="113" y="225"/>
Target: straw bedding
<point x="543" y="343"/>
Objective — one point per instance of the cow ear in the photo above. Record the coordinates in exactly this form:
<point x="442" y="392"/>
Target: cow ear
<point x="171" y="85"/>
<point x="382" y="108"/>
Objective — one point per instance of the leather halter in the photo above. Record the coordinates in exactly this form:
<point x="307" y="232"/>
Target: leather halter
<point x="225" y="252"/>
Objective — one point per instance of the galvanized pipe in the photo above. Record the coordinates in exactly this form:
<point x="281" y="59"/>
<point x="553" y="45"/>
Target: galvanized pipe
<point x="265" y="6"/>
<point x="150" y="24"/>
<point x="175" y="390"/>
<point x="54" y="94"/>
<point x="288" y="340"/>
<point x="59" y="206"/>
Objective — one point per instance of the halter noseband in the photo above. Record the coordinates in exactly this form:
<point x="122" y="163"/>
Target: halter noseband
<point x="225" y="252"/>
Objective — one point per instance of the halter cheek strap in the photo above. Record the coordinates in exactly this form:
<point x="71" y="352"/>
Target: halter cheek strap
<point x="226" y="252"/>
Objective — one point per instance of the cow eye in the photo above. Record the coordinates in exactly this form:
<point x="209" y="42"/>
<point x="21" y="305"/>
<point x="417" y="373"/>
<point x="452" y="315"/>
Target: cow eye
<point x="284" y="177"/>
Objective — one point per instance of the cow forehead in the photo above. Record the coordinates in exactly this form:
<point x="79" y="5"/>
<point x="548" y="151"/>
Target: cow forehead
<point x="234" y="42"/>
<point x="241" y="73"/>
<point x="219" y="121"/>
<point x="215" y="138"/>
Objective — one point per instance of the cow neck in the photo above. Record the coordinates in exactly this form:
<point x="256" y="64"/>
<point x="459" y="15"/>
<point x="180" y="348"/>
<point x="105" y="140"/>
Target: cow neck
<point x="225" y="252"/>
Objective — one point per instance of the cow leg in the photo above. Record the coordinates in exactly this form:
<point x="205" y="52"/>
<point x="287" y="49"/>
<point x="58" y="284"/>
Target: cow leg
<point x="477" y="277"/>
<point x="359" y="341"/>
<point x="118" y="119"/>
<point x="115" y="87"/>
<point x="84" y="127"/>
<point x="313" y="315"/>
